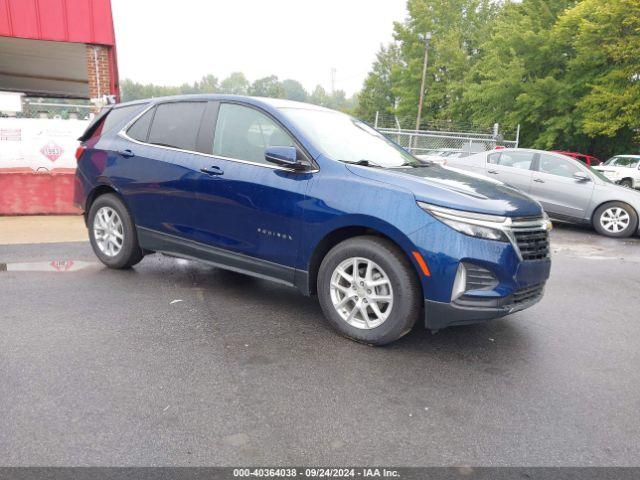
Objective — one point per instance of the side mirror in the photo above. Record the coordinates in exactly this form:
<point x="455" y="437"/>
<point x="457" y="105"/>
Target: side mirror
<point x="284" y="156"/>
<point x="581" y="177"/>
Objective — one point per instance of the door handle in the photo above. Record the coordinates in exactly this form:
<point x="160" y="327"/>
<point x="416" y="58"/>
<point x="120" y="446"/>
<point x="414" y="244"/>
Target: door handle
<point x="493" y="172"/>
<point x="539" y="180"/>
<point x="126" y="153"/>
<point x="212" y="170"/>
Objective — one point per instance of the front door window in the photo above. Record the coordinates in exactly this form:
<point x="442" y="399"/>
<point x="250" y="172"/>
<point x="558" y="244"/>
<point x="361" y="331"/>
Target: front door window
<point x="243" y="133"/>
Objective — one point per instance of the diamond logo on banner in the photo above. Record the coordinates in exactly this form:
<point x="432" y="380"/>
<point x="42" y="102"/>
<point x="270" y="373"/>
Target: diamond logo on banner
<point x="52" y="151"/>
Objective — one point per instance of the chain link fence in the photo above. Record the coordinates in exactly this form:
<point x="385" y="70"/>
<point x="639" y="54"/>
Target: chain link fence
<point x="441" y="135"/>
<point x="52" y="108"/>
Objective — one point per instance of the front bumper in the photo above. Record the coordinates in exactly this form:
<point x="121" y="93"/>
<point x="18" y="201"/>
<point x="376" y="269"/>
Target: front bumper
<point x="467" y="311"/>
<point x="498" y="278"/>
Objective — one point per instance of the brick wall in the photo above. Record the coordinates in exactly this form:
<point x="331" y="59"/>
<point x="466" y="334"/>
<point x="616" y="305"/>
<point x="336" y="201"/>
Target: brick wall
<point x="98" y="70"/>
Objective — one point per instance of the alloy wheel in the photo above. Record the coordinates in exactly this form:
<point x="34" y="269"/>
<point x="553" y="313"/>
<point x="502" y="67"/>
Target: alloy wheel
<point x="108" y="231"/>
<point x="361" y="293"/>
<point x="615" y="220"/>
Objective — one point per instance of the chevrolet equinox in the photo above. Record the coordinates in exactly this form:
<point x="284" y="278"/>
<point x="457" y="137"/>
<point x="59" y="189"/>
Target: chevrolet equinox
<point x="311" y="198"/>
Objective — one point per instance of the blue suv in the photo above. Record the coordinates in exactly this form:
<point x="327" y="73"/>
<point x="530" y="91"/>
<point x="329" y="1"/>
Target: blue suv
<point x="311" y="198"/>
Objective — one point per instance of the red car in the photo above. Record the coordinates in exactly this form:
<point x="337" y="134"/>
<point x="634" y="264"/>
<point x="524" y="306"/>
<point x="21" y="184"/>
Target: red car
<point x="588" y="159"/>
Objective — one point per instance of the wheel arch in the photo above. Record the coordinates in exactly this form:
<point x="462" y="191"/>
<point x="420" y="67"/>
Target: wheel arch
<point x="96" y="192"/>
<point x="601" y="204"/>
<point x="604" y="202"/>
<point x="340" y="234"/>
<point x="627" y="178"/>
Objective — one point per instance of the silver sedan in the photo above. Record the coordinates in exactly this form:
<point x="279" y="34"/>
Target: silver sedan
<point x="567" y="189"/>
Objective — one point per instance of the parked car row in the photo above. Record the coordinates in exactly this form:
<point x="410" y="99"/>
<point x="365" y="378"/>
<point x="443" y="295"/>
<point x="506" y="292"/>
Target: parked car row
<point x="621" y="169"/>
<point x="567" y="189"/>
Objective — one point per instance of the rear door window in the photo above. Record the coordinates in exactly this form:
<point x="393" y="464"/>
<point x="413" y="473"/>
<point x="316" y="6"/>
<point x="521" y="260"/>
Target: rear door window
<point x="563" y="167"/>
<point x="177" y="124"/>
<point x="520" y="160"/>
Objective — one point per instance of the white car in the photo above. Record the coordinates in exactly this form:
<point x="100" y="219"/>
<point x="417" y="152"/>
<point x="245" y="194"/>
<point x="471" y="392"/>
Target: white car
<point x="440" y="156"/>
<point x="622" y="169"/>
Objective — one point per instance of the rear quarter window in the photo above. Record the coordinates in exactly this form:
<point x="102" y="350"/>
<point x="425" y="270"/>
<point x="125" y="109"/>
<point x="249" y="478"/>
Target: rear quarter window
<point x="114" y="118"/>
<point x="140" y="129"/>
<point x="118" y="117"/>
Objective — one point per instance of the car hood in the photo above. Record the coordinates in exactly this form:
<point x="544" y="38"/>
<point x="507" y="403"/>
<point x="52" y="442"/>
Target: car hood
<point x="613" y="192"/>
<point x="446" y="188"/>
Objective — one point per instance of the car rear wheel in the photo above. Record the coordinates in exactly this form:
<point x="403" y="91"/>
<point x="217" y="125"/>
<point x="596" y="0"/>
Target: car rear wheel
<point x="615" y="219"/>
<point x="112" y="233"/>
<point x="368" y="290"/>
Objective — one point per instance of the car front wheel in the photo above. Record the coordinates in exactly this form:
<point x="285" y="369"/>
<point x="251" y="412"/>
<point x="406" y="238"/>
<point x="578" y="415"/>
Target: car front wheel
<point x="626" y="183"/>
<point x="615" y="219"/>
<point x="368" y="290"/>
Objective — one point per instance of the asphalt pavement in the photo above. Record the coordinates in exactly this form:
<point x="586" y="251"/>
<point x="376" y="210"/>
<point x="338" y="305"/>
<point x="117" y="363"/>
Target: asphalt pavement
<point x="178" y="363"/>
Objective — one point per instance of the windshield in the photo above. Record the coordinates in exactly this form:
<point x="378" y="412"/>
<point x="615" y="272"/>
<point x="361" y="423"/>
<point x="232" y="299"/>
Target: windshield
<point x="630" y="162"/>
<point x="599" y="174"/>
<point x="349" y="140"/>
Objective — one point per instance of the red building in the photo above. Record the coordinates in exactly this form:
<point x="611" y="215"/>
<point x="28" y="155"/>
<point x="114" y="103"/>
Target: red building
<point x="58" y="48"/>
<point x="50" y="48"/>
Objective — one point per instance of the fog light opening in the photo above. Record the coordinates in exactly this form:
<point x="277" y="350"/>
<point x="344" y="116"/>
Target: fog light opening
<point x="460" y="283"/>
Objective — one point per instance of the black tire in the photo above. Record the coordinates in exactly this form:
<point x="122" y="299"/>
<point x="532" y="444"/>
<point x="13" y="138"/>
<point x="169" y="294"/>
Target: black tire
<point x="631" y="228"/>
<point x="627" y="182"/>
<point x="407" y="301"/>
<point x="130" y="253"/>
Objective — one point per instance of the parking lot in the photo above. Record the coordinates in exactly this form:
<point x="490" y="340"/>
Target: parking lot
<point x="178" y="363"/>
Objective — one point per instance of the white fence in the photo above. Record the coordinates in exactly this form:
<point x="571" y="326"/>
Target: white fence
<point x="39" y="143"/>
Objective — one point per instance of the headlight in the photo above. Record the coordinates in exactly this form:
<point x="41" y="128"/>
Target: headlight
<point x="490" y="227"/>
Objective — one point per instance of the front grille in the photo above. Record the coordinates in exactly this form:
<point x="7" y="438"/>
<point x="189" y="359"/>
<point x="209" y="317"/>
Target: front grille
<point x="532" y="238"/>
<point x="479" y="278"/>
<point x="526" y="294"/>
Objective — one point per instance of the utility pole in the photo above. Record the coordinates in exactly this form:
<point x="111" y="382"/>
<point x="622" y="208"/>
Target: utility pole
<point x="427" y="38"/>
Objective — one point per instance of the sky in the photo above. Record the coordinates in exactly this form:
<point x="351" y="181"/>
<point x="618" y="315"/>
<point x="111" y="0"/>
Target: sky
<point x="173" y="42"/>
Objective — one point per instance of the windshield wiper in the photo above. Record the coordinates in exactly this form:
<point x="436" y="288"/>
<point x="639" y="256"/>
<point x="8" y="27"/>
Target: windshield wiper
<point x="369" y="163"/>
<point x="422" y="163"/>
<point x="366" y="163"/>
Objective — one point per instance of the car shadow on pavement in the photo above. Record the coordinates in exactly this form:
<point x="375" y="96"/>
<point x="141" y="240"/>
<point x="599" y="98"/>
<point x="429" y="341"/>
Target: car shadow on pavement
<point x="480" y="340"/>
<point x="232" y="302"/>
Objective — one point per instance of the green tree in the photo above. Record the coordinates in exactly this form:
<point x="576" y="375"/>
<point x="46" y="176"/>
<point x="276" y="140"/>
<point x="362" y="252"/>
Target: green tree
<point x="267" y="87"/>
<point x="603" y="62"/>
<point x="337" y="100"/>
<point x="458" y="28"/>
<point x="518" y="78"/>
<point x="566" y="71"/>
<point x="377" y="93"/>
<point x="130" y="90"/>
<point x="235" y="84"/>
<point x="293" y="90"/>
<point x="208" y="84"/>
<point x="319" y="96"/>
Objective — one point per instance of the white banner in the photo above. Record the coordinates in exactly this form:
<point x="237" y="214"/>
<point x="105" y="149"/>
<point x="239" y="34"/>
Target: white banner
<point x="39" y="143"/>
